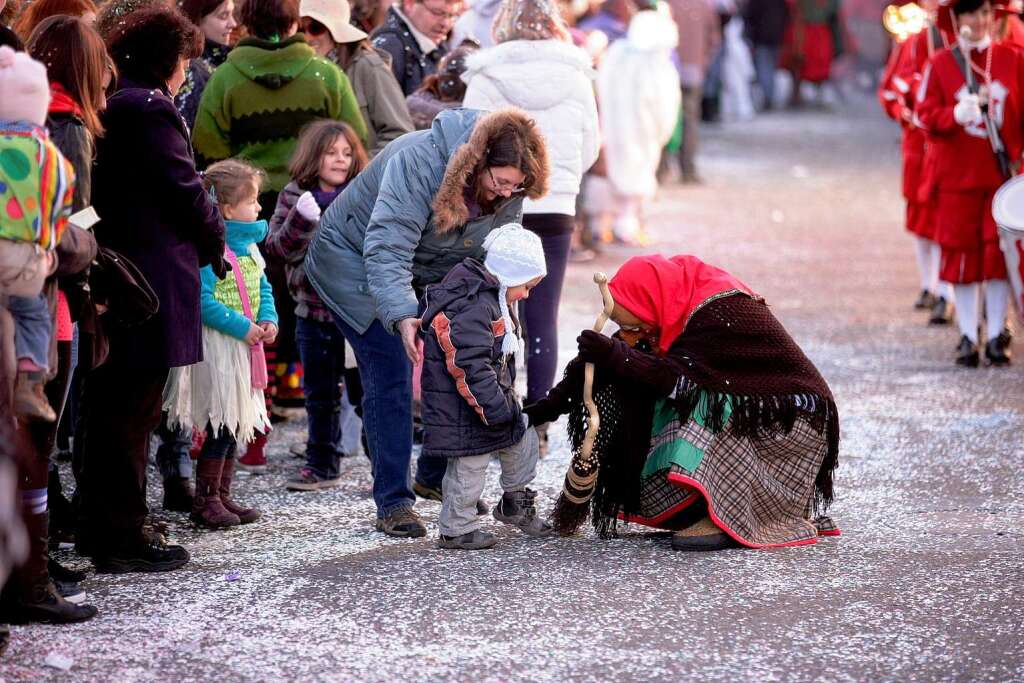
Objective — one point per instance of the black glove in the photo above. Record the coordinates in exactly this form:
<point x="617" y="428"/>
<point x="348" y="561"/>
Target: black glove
<point x="596" y="348"/>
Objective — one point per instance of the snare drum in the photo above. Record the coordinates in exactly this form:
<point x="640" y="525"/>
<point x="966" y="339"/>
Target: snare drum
<point x="1008" y="210"/>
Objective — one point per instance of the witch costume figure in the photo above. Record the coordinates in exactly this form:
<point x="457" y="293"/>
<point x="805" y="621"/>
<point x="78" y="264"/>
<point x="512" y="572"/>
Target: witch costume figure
<point x="712" y="422"/>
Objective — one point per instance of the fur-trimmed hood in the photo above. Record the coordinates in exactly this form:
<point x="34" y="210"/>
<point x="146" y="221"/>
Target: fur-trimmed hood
<point x="450" y="210"/>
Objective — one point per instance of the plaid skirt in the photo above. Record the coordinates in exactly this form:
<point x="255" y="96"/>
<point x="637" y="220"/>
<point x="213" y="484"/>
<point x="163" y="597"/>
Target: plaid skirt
<point x="760" y="490"/>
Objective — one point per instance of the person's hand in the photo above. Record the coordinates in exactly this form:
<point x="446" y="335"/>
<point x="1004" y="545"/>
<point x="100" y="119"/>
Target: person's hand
<point x="983" y="96"/>
<point x="594" y="347"/>
<point x="307" y="207"/>
<point x="269" y="332"/>
<point x="254" y="335"/>
<point x="967" y="111"/>
<point x="407" y="329"/>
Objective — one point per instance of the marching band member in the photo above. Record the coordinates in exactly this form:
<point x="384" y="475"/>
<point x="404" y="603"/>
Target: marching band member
<point x="896" y="93"/>
<point x="970" y="103"/>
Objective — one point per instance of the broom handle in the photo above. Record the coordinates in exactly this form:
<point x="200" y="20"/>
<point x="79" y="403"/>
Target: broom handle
<point x="588" y="372"/>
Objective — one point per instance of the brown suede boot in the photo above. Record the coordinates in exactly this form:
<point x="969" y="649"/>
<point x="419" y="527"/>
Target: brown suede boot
<point x="207" y="510"/>
<point x="246" y="515"/>
<point x="30" y="402"/>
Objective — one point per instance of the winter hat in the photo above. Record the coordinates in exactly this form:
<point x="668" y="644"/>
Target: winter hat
<point x="529" y="20"/>
<point x="514" y="256"/>
<point x="24" y="89"/>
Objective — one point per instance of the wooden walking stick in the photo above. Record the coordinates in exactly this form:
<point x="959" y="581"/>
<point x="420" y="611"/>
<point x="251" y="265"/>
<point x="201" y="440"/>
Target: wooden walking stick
<point x="573" y="504"/>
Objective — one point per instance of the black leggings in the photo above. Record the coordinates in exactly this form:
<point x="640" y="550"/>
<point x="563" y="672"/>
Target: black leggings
<point x="540" y="311"/>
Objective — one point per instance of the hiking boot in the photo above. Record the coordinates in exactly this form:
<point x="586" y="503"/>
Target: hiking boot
<point x="426" y="492"/>
<point x="227" y="474"/>
<point x="519" y="509"/>
<point x="42" y="604"/>
<point x="482" y="508"/>
<point x="178" y="494"/>
<point x="207" y="508"/>
<point x="925" y="300"/>
<point x="403" y="523"/>
<point x="940" y="312"/>
<point x="702" y="536"/>
<point x="967" y="353"/>
<point x="255" y="458"/>
<point x="142" y="554"/>
<point x="30" y="402"/>
<point x="308" y="480"/>
<point x="474" y="540"/>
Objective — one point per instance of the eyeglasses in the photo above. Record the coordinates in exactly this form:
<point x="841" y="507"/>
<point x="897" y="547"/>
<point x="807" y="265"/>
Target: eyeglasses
<point x="632" y="328"/>
<point x="313" y="27"/>
<point x="442" y="14"/>
<point x="504" y="185"/>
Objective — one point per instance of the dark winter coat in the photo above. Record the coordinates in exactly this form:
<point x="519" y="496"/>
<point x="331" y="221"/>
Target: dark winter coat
<point x="764" y="22"/>
<point x="198" y="75"/>
<point x="288" y="240"/>
<point x="403" y="222"/>
<point x="154" y="211"/>
<point x="408" y="62"/>
<point x="469" y="402"/>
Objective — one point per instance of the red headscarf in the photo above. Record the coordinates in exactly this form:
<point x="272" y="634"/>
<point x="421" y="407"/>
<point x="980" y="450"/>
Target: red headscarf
<point x="665" y="292"/>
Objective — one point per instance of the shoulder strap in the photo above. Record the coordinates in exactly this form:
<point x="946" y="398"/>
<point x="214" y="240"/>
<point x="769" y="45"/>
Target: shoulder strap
<point x="965" y="69"/>
<point x="243" y="293"/>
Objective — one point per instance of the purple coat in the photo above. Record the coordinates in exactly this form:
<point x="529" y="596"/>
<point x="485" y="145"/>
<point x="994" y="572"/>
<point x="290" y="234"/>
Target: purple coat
<point x="154" y="211"/>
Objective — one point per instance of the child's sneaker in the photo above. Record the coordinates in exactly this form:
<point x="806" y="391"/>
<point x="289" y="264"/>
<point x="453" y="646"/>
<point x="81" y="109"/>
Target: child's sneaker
<point x="255" y="458"/>
<point x="518" y="509"/>
<point x="308" y="480"/>
<point x="474" y="540"/>
<point x="29" y="398"/>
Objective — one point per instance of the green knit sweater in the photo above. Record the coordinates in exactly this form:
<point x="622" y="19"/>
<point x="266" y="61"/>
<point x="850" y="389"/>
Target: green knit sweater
<point x="256" y="103"/>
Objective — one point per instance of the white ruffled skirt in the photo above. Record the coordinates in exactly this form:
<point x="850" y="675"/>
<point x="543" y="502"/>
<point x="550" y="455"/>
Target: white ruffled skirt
<point x="217" y="391"/>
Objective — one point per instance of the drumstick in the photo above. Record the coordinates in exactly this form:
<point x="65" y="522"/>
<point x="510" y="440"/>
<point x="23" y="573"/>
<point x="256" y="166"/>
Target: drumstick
<point x="588" y="372"/>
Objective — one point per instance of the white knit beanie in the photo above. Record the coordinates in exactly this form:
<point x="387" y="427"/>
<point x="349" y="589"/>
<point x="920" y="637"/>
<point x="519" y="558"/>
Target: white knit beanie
<point x="514" y="256"/>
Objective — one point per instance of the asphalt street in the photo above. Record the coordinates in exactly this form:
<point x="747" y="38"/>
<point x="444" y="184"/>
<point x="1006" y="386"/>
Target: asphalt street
<point x="923" y="585"/>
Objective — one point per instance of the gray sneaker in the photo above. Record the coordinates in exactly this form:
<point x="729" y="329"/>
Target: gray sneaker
<point x="518" y="509"/>
<point x="474" y="540"/>
<point x="403" y="523"/>
<point x="308" y="480"/>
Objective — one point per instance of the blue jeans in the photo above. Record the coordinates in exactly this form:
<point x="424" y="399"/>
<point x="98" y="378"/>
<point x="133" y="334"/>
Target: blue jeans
<point x="322" y="350"/>
<point x="33" y="328"/>
<point x="766" y="61"/>
<point x="386" y="375"/>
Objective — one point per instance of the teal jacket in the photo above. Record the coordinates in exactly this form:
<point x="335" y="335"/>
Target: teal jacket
<point x="220" y="299"/>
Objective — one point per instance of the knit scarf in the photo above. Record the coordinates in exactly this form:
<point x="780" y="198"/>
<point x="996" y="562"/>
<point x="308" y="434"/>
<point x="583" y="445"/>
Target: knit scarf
<point x="61" y="101"/>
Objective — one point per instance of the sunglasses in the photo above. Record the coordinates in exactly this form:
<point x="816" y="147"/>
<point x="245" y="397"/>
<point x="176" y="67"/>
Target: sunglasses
<point x="313" y="27"/>
<point x="504" y="185"/>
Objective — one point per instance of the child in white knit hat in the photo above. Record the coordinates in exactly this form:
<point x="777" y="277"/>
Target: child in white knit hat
<point x="471" y="412"/>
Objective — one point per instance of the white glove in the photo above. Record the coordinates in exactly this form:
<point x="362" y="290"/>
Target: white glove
<point x="967" y="111"/>
<point x="308" y="208"/>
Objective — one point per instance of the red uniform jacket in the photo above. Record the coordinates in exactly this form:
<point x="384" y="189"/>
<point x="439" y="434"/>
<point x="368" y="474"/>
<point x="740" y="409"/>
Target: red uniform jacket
<point x="963" y="155"/>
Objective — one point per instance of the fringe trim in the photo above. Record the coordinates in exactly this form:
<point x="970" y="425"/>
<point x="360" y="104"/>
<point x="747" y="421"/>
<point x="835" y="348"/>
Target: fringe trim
<point x="767" y="416"/>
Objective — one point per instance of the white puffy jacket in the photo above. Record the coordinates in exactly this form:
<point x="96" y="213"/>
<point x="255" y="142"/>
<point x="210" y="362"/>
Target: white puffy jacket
<point x="551" y="81"/>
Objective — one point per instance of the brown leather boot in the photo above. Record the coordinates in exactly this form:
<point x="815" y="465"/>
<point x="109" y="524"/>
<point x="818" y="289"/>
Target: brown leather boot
<point x="246" y="515"/>
<point x="207" y="510"/>
<point x="30" y="596"/>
